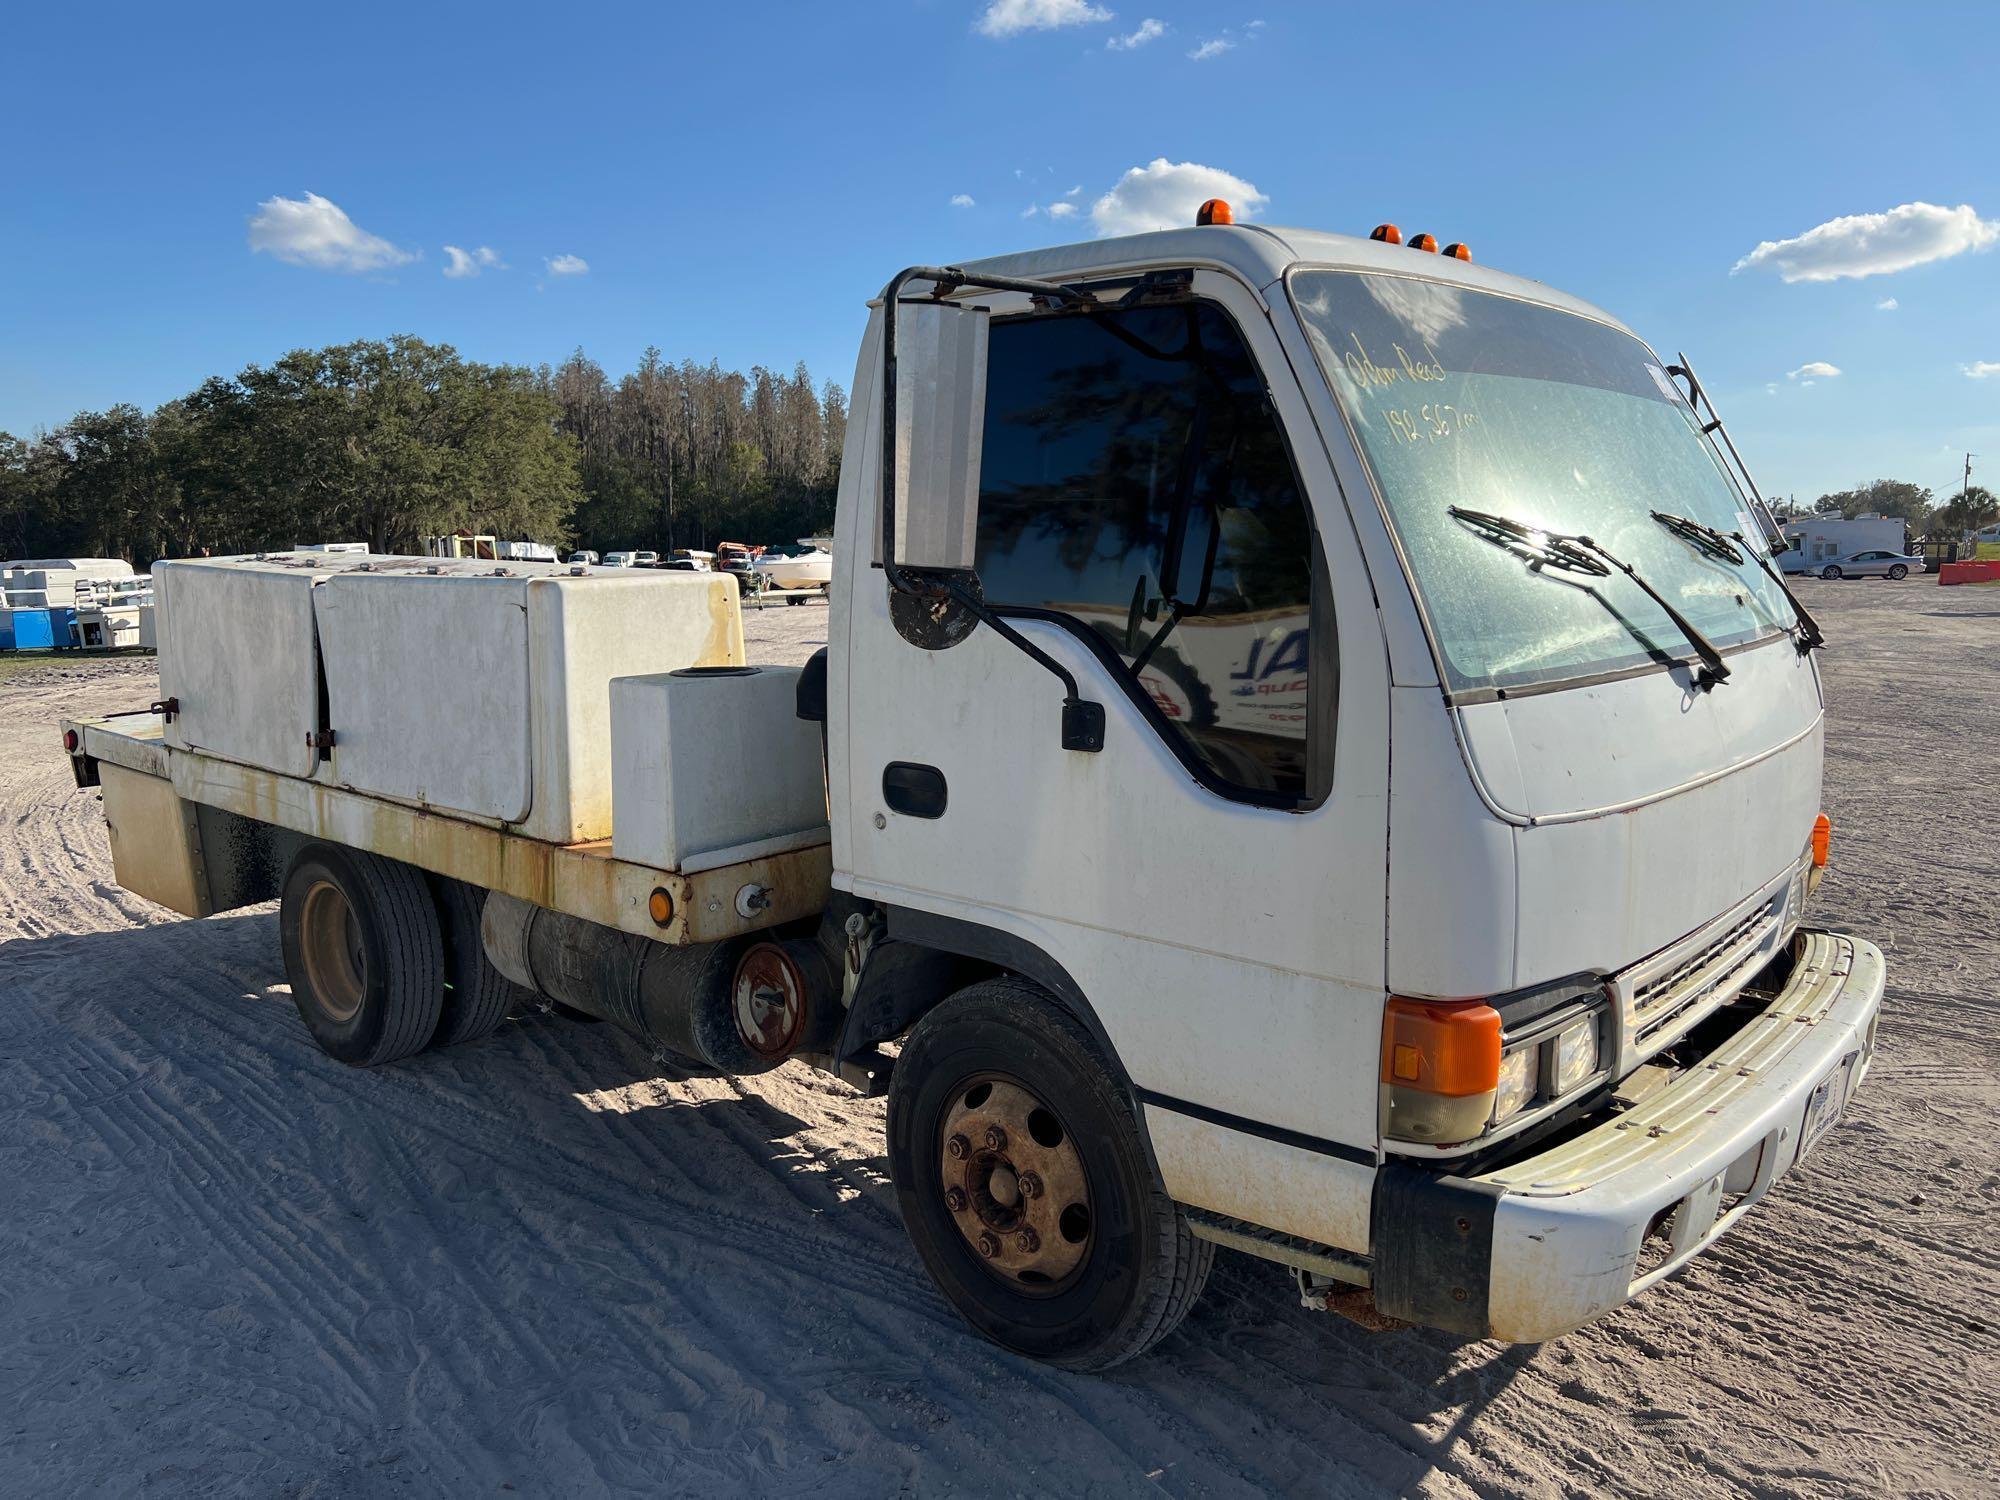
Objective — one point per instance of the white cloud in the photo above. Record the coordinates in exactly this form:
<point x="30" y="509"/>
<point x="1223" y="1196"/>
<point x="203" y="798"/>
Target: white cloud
<point x="462" y="263"/>
<point x="1164" y="195"/>
<point x="1887" y="304"/>
<point x="1214" y="47"/>
<point x="1005" y="18"/>
<point x="566" y="265"/>
<point x="1815" y="369"/>
<point x="1062" y="210"/>
<point x="1874" y="244"/>
<point x="1031" y="210"/>
<point x="1074" y="191"/>
<point x="1982" y="369"/>
<point x="314" y="231"/>
<point x="1149" y="30"/>
<point x="961" y="200"/>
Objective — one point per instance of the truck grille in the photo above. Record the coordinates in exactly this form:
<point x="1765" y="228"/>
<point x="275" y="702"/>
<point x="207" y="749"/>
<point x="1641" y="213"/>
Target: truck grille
<point x="1667" y="1004"/>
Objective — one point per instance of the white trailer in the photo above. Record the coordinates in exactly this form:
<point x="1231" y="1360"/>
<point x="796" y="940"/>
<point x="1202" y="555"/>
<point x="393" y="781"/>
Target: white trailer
<point x="1818" y="540"/>
<point x="1311" y="756"/>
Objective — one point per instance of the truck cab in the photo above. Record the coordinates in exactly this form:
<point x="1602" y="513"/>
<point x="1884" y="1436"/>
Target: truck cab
<point x="1454" y="805"/>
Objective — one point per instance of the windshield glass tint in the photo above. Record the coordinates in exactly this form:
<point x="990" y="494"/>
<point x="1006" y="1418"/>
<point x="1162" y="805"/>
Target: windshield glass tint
<point x="1470" y="399"/>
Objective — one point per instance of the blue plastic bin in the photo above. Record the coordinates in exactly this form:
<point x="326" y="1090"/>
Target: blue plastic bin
<point x="34" y="630"/>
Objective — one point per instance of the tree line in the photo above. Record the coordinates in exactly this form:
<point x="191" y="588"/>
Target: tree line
<point x="392" y="441"/>
<point x="1949" y="520"/>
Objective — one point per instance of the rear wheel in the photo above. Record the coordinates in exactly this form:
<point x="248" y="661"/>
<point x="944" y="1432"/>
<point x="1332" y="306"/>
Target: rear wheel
<point x="477" y="996"/>
<point x="1023" y="1184"/>
<point x="364" y="953"/>
<point x="1829" y="572"/>
<point x="1898" y="571"/>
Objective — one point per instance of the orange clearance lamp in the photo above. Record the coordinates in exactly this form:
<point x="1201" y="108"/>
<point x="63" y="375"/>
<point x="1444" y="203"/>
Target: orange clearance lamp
<point x="1424" y="242"/>
<point x="1387" y="234"/>
<point x="1214" y="211"/>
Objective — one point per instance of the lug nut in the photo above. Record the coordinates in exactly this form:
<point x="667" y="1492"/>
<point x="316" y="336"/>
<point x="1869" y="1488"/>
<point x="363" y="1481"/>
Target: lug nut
<point x="988" y="1246"/>
<point x="1029" y="1184"/>
<point x="996" y="1138"/>
<point x="1030" y="1241"/>
<point x="954" y="1199"/>
<point x="958" y="1148"/>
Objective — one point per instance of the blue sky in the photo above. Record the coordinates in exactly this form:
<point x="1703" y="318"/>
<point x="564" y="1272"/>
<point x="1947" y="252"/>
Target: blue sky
<point x="734" y="181"/>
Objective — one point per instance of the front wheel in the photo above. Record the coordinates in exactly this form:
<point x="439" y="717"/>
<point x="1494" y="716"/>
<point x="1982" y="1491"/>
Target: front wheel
<point x="1023" y="1183"/>
<point x="1898" y="572"/>
<point x="1829" y="572"/>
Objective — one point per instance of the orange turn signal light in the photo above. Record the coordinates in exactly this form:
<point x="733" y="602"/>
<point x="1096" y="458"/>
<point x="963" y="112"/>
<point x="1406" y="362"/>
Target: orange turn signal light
<point x="1387" y="234"/>
<point x="1424" y="242"/>
<point x="1215" y="211"/>
<point x="1448" y="1047"/>
<point x="1457" y="251"/>
<point x="1822" y="841"/>
<point x="660" y="906"/>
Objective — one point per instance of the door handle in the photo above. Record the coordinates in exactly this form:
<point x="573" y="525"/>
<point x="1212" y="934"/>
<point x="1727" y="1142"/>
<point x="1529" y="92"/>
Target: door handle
<point x="913" y="790"/>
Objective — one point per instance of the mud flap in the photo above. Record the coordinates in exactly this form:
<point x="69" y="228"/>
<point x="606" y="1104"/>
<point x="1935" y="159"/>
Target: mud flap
<point x="1433" y="1248"/>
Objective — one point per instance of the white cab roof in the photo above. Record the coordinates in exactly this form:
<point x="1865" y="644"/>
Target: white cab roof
<point x="1261" y="255"/>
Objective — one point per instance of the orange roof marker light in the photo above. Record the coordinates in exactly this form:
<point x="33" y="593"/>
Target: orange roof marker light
<point x="1387" y="234"/>
<point x="1214" y="211"/>
<point x="1457" y="251"/>
<point x="1424" y="242"/>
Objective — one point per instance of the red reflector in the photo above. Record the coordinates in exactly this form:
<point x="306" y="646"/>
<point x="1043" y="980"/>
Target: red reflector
<point x="70" y="741"/>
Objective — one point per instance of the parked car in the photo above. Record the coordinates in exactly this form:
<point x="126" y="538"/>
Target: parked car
<point x="1877" y="564"/>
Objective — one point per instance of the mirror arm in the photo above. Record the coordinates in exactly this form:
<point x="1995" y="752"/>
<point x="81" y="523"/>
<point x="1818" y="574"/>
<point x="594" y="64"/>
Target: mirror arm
<point x="1082" y="720"/>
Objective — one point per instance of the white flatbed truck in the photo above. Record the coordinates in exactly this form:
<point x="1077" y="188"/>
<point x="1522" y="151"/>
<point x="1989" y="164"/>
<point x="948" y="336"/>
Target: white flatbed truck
<point x="1406" y="884"/>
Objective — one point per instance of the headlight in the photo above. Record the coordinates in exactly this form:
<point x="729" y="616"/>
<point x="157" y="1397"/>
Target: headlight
<point x="1576" y="1054"/>
<point x="1517" y="1083"/>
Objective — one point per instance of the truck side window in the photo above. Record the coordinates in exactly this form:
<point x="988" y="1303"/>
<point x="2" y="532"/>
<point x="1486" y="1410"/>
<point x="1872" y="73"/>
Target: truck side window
<point x="1136" y="488"/>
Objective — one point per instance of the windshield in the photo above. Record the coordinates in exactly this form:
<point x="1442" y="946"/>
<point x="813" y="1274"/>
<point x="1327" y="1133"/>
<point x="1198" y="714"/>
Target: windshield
<point x="1480" y="401"/>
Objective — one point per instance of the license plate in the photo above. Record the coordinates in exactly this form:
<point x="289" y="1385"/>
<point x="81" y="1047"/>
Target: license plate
<point x="1828" y="1100"/>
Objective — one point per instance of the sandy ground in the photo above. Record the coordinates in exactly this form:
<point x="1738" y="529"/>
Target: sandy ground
<point x="229" y="1265"/>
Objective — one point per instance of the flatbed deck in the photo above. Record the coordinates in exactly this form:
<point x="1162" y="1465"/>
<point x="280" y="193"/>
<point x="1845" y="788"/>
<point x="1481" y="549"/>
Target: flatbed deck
<point x="718" y="895"/>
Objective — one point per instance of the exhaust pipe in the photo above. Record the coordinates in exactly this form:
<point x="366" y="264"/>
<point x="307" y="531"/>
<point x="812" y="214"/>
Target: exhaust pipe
<point x="742" y="1005"/>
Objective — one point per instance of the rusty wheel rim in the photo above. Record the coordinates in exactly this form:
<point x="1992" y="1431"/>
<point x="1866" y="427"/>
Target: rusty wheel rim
<point x="336" y="960"/>
<point x="1015" y="1184"/>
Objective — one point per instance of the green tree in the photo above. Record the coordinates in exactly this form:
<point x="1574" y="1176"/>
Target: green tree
<point x="1974" y="508"/>
<point x="1884" y="497"/>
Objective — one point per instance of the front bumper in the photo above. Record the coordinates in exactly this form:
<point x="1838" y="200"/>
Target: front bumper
<point x="1544" y="1244"/>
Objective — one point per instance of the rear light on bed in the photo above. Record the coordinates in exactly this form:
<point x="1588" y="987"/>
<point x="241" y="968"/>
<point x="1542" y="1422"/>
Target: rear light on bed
<point x="1440" y="1068"/>
<point x="70" y="741"/>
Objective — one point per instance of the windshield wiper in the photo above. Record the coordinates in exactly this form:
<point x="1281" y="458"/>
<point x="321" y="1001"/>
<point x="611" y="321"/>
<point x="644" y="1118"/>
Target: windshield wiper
<point x="1730" y="547"/>
<point x="1704" y="539"/>
<point x="1545" y="549"/>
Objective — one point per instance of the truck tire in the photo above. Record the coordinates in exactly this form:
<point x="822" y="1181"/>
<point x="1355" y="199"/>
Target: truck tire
<point x="1024" y="1185"/>
<point x="364" y="952"/>
<point x="477" y="996"/>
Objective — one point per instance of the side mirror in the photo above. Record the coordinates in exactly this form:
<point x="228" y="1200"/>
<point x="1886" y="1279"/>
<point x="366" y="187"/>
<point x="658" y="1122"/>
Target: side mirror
<point x="940" y="426"/>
